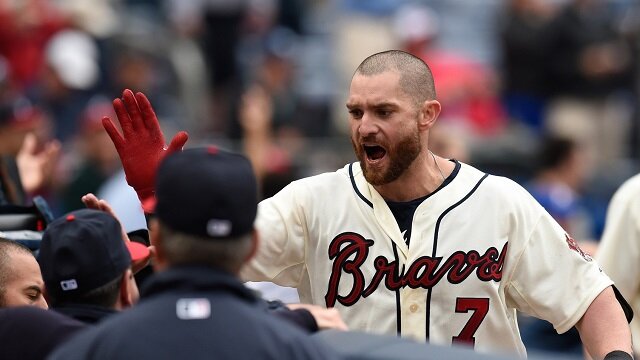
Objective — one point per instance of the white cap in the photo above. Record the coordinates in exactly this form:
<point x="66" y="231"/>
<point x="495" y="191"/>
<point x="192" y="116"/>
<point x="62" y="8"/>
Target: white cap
<point x="73" y="55"/>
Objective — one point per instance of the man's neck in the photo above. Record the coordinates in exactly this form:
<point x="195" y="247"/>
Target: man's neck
<point x="421" y="179"/>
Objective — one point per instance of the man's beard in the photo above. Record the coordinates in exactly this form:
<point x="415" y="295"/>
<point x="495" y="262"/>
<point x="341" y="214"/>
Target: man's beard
<point x="400" y="157"/>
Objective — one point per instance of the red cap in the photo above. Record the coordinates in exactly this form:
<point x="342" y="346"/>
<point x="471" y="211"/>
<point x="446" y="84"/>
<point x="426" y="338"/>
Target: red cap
<point x="137" y="250"/>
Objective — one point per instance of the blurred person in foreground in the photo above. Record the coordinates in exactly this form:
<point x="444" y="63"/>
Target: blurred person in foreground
<point x="87" y="265"/>
<point x="31" y="333"/>
<point x="195" y="306"/>
<point x="20" y="278"/>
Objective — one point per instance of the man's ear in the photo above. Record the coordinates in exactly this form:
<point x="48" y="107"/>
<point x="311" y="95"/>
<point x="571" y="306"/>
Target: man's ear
<point x="126" y="297"/>
<point x="255" y="240"/>
<point x="159" y="262"/>
<point x="429" y="114"/>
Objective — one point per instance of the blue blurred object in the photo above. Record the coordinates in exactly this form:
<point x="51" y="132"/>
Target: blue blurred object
<point x="372" y="7"/>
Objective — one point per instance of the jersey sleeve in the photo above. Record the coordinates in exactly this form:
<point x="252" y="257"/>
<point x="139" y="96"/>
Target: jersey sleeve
<point x="552" y="278"/>
<point x="281" y="240"/>
<point x="619" y="250"/>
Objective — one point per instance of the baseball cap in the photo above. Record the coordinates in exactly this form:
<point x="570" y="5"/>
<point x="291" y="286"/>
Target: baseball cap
<point x="207" y="192"/>
<point x="84" y="250"/>
<point x="73" y="55"/>
<point x="20" y="113"/>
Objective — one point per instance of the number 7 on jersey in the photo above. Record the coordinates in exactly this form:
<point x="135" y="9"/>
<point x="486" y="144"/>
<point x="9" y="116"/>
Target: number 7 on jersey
<point x="480" y="308"/>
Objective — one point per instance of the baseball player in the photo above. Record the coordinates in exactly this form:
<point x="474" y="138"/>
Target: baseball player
<point x="404" y="241"/>
<point x="619" y="249"/>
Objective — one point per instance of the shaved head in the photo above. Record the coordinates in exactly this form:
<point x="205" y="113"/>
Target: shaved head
<point x="17" y="263"/>
<point x="416" y="79"/>
<point x="7" y="249"/>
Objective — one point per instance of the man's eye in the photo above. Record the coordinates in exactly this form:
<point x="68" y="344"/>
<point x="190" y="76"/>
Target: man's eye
<point x="383" y="113"/>
<point x="355" y="113"/>
<point x="33" y="296"/>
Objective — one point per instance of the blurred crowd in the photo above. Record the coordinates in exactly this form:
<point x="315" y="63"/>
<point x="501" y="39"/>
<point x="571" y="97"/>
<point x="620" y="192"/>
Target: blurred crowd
<point x="269" y="78"/>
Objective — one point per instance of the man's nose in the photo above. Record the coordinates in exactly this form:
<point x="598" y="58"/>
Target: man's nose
<point x="367" y="126"/>
<point x="42" y="303"/>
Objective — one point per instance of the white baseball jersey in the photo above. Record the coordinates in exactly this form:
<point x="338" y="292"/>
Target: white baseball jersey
<point x="619" y="250"/>
<point x="480" y="248"/>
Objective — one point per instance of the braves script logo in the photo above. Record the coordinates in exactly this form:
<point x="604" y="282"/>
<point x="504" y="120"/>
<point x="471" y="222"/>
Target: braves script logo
<point x="573" y="245"/>
<point x="349" y="251"/>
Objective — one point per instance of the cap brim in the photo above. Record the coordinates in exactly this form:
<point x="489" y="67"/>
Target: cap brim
<point x="137" y="251"/>
<point x="149" y="205"/>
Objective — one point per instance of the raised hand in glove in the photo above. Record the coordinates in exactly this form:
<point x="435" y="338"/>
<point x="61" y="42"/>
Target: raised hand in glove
<point x="141" y="146"/>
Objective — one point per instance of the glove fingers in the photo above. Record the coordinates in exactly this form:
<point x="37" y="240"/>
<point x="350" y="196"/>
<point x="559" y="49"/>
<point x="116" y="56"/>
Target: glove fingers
<point x="178" y="142"/>
<point x="123" y="117"/>
<point x="113" y="133"/>
<point x="133" y="110"/>
<point x="149" y="118"/>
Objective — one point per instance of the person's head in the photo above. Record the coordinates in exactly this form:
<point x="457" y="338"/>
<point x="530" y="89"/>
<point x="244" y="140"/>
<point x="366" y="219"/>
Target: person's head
<point x="18" y="117"/>
<point x="85" y="260"/>
<point x="206" y="205"/>
<point x="564" y="158"/>
<point x="20" y="279"/>
<point x="391" y="107"/>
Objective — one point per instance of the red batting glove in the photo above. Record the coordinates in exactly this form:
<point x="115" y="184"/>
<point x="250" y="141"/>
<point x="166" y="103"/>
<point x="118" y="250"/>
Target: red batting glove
<point x="141" y="146"/>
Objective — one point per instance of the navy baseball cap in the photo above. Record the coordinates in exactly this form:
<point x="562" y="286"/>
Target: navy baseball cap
<point x="207" y="192"/>
<point x="19" y="112"/>
<point x="84" y="250"/>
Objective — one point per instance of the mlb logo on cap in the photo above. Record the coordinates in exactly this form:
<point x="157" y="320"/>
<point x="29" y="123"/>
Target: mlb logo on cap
<point x="219" y="227"/>
<point x="67" y="285"/>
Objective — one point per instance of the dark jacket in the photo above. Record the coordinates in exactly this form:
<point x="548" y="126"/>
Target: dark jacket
<point x="32" y="333"/>
<point x="194" y="313"/>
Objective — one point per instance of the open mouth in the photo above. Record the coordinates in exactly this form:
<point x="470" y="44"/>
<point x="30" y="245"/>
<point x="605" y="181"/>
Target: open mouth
<point x="374" y="152"/>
